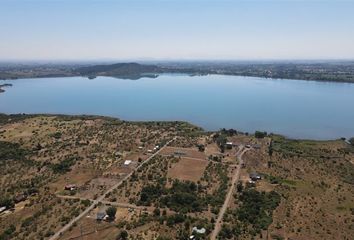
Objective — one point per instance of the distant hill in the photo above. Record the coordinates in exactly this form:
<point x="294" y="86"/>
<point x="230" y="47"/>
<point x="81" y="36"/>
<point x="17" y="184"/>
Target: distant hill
<point x="119" y="69"/>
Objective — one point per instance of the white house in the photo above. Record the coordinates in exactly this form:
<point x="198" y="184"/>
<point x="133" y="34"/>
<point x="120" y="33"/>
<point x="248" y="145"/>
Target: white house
<point x="127" y="162"/>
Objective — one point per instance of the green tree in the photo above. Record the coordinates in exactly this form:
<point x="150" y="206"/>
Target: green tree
<point x="157" y="212"/>
<point x="123" y="235"/>
<point x="111" y="212"/>
<point x="351" y="141"/>
<point x="259" y="134"/>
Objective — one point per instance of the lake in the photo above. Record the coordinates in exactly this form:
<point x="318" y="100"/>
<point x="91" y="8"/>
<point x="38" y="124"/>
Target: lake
<point x="294" y="108"/>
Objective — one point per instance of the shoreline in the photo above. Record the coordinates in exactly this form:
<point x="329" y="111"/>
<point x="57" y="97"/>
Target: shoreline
<point x="4" y="86"/>
<point x="90" y="77"/>
<point x="21" y="116"/>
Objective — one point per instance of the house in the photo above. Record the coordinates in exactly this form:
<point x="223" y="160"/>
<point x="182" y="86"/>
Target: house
<point x="20" y="198"/>
<point x="70" y="187"/>
<point x="118" y="154"/>
<point x="127" y="162"/>
<point x="198" y="230"/>
<point x="149" y="151"/>
<point x="100" y="216"/>
<point x="255" y="176"/>
<point x="2" y="209"/>
<point x="230" y="143"/>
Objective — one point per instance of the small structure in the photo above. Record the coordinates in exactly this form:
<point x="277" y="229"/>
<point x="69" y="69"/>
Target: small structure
<point x="127" y="162"/>
<point x="198" y="230"/>
<point x="118" y="154"/>
<point x="255" y="176"/>
<point x="230" y="143"/>
<point x="70" y="187"/>
<point x="101" y="215"/>
<point x="20" y="198"/>
<point x="2" y="209"/>
<point x="149" y="151"/>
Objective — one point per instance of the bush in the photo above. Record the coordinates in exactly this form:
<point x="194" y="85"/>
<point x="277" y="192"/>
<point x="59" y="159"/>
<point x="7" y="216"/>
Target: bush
<point x="64" y="166"/>
<point x="111" y="212"/>
<point x="8" y="232"/>
<point x="259" y="134"/>
<point x="123" y="235"/>
<point x="56" y="135"/>
<point x="257" y="208"/>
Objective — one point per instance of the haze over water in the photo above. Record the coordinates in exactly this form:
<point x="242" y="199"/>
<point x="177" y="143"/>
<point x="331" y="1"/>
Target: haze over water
<point x="297" y="109"/>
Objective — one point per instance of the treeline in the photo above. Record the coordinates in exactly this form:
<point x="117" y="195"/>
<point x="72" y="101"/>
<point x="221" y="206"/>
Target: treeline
<point x="254" y="214"/>
<point x="182" y="197"/>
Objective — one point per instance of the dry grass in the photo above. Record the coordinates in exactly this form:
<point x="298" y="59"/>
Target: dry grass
<point x="187" y="169"/>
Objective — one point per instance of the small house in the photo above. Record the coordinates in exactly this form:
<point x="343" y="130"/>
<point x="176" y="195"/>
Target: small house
<point x="255" y="176"/>
<point x="70" y="187"/>
<point x="2" y="209"/>
<point x="118" y="154"/>
<point x="198" y="230"/>
<point x="20" y="198"/>
<point x="127" y="162"/>
<point x="100" y="216"/>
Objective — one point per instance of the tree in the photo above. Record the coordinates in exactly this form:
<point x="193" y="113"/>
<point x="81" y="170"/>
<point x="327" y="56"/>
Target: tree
<point x="259" y="134"/>
<point x="111" y="212"/>
<point x="201" y="147"/>
<point x="351" y="141"/>
<point x="123" y="235"/>
<point x="239" y="187"/>
<point x="157" y="212"/>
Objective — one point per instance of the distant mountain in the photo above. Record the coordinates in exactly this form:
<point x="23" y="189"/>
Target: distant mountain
<point x="119" y="69"/>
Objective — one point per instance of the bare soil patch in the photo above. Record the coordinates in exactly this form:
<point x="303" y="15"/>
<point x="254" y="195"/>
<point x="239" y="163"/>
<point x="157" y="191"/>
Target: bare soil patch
<point x="187" y="169"/>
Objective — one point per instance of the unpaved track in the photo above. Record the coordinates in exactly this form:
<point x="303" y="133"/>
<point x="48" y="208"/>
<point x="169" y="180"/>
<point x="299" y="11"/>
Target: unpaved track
<point x="100" y="198"/>
<point x="228" y="198"/>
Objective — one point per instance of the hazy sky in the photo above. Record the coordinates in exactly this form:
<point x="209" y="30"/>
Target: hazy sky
<point x="176" y="29"/>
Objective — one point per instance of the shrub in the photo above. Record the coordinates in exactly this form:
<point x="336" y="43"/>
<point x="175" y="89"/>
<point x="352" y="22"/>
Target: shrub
<point x="259" y="134"/>
<point x="111" y="212"/>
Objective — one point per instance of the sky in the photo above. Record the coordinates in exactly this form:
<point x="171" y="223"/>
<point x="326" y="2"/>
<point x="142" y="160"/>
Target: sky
<point x="176" y="29"/>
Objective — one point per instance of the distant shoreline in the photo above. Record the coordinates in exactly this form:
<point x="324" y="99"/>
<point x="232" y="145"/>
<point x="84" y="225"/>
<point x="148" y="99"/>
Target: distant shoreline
<point x="10" y="118"/>
<point x="321" y="72"/>
<point x="4" y="86"/>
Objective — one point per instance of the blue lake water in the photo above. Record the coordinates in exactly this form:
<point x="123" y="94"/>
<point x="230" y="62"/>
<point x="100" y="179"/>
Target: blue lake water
<point x="297" y="109"/>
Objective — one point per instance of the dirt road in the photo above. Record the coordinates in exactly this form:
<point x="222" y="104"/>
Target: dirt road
<point x="228" y="198"/>
<point x="100" y="198"/>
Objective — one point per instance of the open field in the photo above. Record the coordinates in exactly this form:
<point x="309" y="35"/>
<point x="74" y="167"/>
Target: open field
<point x="187" y="169"/>
<point x="53" y="168"/>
